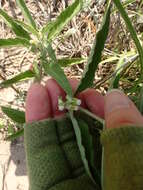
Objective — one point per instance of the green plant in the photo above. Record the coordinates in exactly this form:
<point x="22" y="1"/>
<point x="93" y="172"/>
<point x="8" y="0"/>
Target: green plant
<point x="40" y="41"/>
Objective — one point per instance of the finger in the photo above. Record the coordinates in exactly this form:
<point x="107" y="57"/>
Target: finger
<point x="94" y="102"/>
<point x="55" y="91"/>
<point x="38" y="105"/>
<point x="120" y="110"/>
<point x="74" y="84"/>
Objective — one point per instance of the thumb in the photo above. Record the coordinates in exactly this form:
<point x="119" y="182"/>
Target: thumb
<point x="120" y="110"/>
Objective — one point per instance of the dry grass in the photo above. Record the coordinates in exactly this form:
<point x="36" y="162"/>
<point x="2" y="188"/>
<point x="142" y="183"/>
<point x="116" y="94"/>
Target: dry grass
<point x="74" y="41"/>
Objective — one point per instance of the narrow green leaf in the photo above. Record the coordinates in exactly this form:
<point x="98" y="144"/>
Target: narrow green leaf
<point x="27" y="27"/>
<point x="14" y="42"/>
<point x="37" y="71"/>
<point x="80" y="145"/>
<point x="17" y="29"/>
<point x="15" y="115"/>
<point x="95" y="56"/>
<point x="47" y="27"/>
<point x="54" y="28"/>
<point x="87" y="142"/>
<point x="65" y="62"/>
<point x="51" y="53"/>
<point x="131" y="30"/>
<point x="125" y="4"/>
<point x="10" y="129"/>
<point x="26" y="13"/>
<point x="115" y="83"/>
<point x="20" y="77"/>
<point x="16" y="135"/>
<point x="55" y="71"/>
<point x="118" y="70"/>
<point x="86" y="138"/>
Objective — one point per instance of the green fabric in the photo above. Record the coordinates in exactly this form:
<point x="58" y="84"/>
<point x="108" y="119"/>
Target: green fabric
<point x="123" y="158"/>
<point x="54" y="163"/>
<point x="53" y="158"/>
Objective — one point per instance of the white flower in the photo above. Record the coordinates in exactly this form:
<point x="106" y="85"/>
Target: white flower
<point x="69" y="104"/>
<point x="78" y="102"/>
<point x="61" y="108"/>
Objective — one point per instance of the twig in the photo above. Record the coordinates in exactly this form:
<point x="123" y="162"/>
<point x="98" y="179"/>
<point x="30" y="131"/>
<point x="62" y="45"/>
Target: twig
<point x="4" y="175"/>
<point x="39" y="4"/>
<point x="12" y="9"/>
<point x="23" y="57"/>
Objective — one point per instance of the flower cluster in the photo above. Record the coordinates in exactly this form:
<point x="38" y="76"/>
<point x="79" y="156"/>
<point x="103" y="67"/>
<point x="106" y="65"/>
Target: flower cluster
<point x="69" y="104"/>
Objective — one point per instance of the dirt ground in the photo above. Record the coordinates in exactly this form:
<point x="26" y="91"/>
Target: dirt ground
<point x="13" y="173"/>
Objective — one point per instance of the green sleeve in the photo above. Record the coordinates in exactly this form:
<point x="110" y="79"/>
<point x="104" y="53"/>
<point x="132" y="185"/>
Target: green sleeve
<point x="53" y="158"/>
<point x="123" y="158"/>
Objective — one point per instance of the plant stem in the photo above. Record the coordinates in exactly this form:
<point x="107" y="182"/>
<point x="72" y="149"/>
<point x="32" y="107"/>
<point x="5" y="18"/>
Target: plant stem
<point x="92" y="115"/>
<point x="78" y="135"/>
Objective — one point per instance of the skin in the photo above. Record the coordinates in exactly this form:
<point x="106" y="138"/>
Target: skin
<point x="116" y="108"/>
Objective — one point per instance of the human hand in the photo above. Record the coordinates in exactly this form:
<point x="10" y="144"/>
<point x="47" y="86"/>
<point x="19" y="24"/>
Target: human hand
<point x="56" y="155"/>
<point x="42" y="103"/>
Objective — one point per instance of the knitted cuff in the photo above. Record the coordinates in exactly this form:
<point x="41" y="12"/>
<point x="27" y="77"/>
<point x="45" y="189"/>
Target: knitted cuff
<point x="123" y="158"/>
<point x="53" y="158"/>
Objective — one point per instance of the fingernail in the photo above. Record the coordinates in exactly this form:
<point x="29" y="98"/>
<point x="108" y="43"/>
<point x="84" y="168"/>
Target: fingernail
<point x="115" y="99"/>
